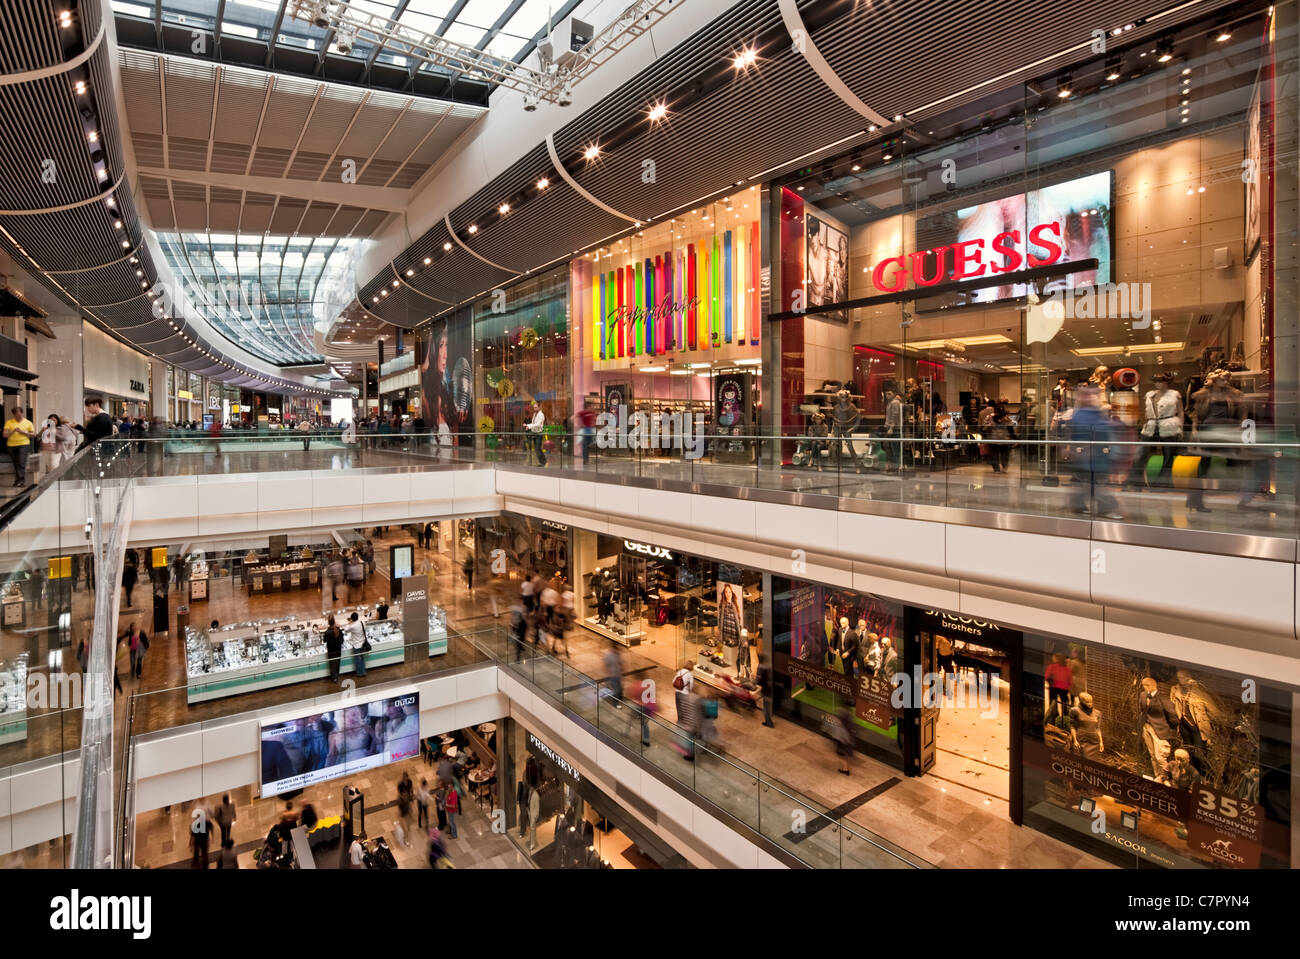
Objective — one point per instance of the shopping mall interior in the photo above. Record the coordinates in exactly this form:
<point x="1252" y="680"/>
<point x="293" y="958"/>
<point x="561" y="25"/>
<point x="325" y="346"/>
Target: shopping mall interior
<point x="566" y="435"/>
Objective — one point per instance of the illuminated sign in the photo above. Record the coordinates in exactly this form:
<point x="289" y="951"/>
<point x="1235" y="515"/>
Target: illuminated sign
<point x="967" y="259"/>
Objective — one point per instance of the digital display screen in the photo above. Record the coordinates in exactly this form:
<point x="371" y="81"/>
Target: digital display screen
<point x="1078" y="217"/>
<point x="312" y="748"/>
<point x="403" y="561"/>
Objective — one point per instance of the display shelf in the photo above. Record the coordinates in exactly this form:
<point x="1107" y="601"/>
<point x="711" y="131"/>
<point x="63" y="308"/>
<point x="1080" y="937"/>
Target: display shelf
<point x="437" y="631"/>
<point x="631" y="638"/>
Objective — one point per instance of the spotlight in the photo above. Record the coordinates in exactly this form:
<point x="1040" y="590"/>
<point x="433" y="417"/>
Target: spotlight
<point x="658" y="112"/>
<point x="543" y="183"/>
<point x="1113" y="68"/>
<point x="473" y="228"/>
<point x="80" y="86"/>
<point x="503" y="209"/>
<point x="343" y="41"/>
<point x="886" y="153"/>
<point x="321" y="15"/>
<point x="1223" y="33"/>
<point x="591" y="153"/>
<point x="566" y="95"/>
<point x="1063" y="86"/>
<point x="1166" y="50"/>
<point x="446" y="245"/>
<point x="530" y="102"/>
<point x="746" y="58"/>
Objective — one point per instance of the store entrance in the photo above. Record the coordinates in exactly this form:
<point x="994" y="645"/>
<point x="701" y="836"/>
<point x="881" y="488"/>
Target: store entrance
<point x="969" y="731"/>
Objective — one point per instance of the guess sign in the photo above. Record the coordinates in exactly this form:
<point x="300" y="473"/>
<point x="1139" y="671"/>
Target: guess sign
<point x="965" y="260"/>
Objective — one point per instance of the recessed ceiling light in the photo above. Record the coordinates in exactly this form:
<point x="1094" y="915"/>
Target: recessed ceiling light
<point x="446" y="245"/>
<point x="473" y="228"/>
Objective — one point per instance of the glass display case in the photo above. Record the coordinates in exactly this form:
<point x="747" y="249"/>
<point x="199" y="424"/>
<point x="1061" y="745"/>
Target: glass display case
<point x="244" y="657"/>
<point x="437" y="631"/>
<point x="13" y="699"/>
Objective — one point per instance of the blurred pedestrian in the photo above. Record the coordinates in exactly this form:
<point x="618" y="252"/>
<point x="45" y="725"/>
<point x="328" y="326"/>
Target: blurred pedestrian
<point x="843" y="737"/>
<point x="452" y="804"/>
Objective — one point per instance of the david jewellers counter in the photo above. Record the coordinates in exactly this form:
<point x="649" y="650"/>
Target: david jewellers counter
<point x="246" y="657"/>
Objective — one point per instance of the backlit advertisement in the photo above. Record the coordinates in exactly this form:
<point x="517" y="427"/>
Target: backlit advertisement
<point x="299" y="750"/>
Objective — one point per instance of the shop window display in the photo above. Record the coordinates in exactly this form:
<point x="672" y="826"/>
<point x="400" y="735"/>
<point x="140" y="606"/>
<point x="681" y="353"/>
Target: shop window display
<point x="521" y="348"/>
<point x="664" y="316"/>
<point x="444" y="362"/>
<point x="1172" y="765"/>
<point x="970" y="296"/>
<point x="835" y="649"/>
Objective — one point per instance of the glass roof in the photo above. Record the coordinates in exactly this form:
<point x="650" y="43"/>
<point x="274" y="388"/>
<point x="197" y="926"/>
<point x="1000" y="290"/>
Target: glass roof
<point x="506" y="28"/>
<point x="263" y="293"/>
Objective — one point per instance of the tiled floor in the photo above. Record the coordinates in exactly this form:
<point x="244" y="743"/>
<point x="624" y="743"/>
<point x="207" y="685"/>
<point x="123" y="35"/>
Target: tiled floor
<point x="162" y="836"/>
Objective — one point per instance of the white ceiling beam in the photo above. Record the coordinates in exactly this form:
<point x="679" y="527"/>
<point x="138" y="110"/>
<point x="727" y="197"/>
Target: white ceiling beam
<point x="347" y="194"/>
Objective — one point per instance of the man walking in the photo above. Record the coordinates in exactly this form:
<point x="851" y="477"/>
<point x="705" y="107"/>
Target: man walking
<point x="19" y="431"/>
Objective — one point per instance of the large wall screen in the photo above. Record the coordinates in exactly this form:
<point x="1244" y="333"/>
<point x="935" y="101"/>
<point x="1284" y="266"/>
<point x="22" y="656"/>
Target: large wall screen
<point x="304" y="749"/>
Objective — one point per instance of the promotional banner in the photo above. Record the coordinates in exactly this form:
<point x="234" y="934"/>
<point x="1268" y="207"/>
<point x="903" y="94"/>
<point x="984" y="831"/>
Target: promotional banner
<point x="447" y="381"/>
<point x="731" y="404"/>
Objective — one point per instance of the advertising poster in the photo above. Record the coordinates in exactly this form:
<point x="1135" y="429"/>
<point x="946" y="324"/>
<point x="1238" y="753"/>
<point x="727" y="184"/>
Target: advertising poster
<point x="731" y="404"/>
<point x="447" y="381"/>
<point x="1164" y="763"/>
<point x="617" y="395"/>
<point x="300" y="750"/>
<point x="730" y="618"/>
<point x="827" y="261"/>
<point x="1254" y="160"/>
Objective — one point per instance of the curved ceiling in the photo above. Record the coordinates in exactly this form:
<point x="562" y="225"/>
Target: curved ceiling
<point x="67" y="211"/>
<point x="726" y="125"/>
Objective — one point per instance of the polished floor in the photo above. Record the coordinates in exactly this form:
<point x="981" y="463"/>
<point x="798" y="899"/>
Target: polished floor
<point x="162" y="835"/>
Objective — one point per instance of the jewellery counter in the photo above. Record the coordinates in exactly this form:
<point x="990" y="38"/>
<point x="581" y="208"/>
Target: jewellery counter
<point x="246" y="657"/>
<point x="13" y="699"/>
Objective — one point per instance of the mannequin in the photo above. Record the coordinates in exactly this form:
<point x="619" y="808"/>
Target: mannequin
<point x="1198" y="714"/>
<point x="842" y="635"/>
<point x="534" y="811"/>
<point x="742" y="656"/>
<point x="1085" y="728"/>
<point x="875" y="654"/>
<point x="863" y="646"/>
<point x="1162" y="427"/>
<point x="844" y="416"/>
<point x="888" y="658"/>
<point x="1159" y="724"/>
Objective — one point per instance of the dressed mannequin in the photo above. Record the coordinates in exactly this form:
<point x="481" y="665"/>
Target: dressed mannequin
<point x="1218" y="415"/>
<point x="1162" y="424"/>
<point x="742" y="656"/>
<point x="888" y="658"/>
<point x="842" y="635"/>
<point x="893" y="431"/>
<point x="1198" y="714"/>
<point x="1085" y="728"/>
<point x="844" y="416"/>
<point x="875" y="654"/>
<point x="863" y="646"/>
<point x="1159" y="724"/>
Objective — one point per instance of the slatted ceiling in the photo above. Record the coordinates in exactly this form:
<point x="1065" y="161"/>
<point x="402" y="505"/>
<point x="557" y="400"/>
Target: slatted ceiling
<point x="229" y="158"/>
<point x="317" y="219"/>
<point x="443" y="136"/>
<point x="290" y="113"/>
<point x="53" y="134"/>
<point x="287" y="215"/>
<point x="410" y="130"/>
<point x="408" y="176"/>
<point x="367" y="132"/>
<point x="270" y="161"/>
<point x="101" y="78"/>
<point x="90" y="17"/>
<point x="148" y="149"/>
<point x="257" y="213"/>
<point x="34" y="46"/>
<point x="186" y="153"/>
<point x="309" y="166"/>
<point x="239" y="104"/>
<point x="370" y="222"/>
<point x="346" y="220"/>
<point x="334" y="111"/>
<point x="140" y="89"/>
<point x="377" y="172"/>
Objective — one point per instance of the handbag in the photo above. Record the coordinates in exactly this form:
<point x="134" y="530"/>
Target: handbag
<point x="679" y="682"/>
<point x="365" y="640"/>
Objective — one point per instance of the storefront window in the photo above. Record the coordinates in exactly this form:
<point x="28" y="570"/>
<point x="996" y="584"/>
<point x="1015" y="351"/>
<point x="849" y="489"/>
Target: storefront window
<point x="1153" y="762"/>
<point x="521" y="349"/>
<point x="836" y="650"/>
<point x="446" y="380"/>
<point x="668" y="321"/>
<point x="974" y="292"/>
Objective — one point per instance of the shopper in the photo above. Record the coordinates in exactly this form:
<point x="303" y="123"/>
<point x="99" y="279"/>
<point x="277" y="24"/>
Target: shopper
<point x="765" y="686"/>
<point x="613" y="661"/>
<point x="138" y="643"/>
<point x="690" y="715"/>
<point x="684" y="679"/>
<point x="518" y="629"/>
<point x="468" y="569"/>
<point x="422" y="804"/>
<point x="368" y="557"/>
<point x="334" y="573"/>
<point x="405" y="795"/>
<point x="452" y="803"/>
<point x="288" y="818"/>
<point x="536" y="427"/>
<point x="67" y="439"/>
<point x="440" y="803"/>
<point x="120" y="657"/>
<point x="381" y="610"/>
<point x="1058" y="678"/>
<point x="357" y="854"/>
<point x="445" y="769"/>
<point x="129" y="575"/>
<point x="355" y="576"/>
<point x="562" y="617"/>
<point x="526" y="592"/>
<point x="227" y="858"/>
<point x="50" y="446"/>
<point x="333" y="648"/>
<point x="19" y="432"/>
<point x="224" y="816"/>
<point x="1090" y="454"/>
<point x="304" y="430"/>
<point x="355" y="633"/>
<point x="200" y="834"/>
<point x="839" y="729"/>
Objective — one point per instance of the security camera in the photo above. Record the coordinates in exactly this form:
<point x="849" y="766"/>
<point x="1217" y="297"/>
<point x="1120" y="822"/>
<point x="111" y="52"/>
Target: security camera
<point x="566" y="95"/>
<point x="321" y="16"/>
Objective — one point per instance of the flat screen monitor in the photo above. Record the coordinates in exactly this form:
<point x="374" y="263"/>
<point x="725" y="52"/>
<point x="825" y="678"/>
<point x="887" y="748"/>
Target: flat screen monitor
<point x="298" y="750"/>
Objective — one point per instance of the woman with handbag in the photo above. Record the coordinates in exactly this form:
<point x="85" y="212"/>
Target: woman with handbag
<point x="355" y="632"/>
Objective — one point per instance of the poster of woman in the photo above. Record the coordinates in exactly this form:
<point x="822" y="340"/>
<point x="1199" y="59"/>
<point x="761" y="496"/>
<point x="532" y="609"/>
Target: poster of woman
<point x="730" y="620"/>
<point x="446" y="383"/>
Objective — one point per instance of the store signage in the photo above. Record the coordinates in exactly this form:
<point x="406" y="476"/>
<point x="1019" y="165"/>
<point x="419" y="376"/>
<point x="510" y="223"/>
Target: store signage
<point x="660" y="311"/>
<point x="645" y="549"/>
<point x="184" y="394"/>
<point x="539" y="748"/>
<point x="415" y="611"/>
<point x="137" y="386"/>
<point x="214" y="402"/>
<point x="560" y="526"/>
<point x="952" y="623"/>
<point x="1225" y="828"/>
<point x="891" y="275"/>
